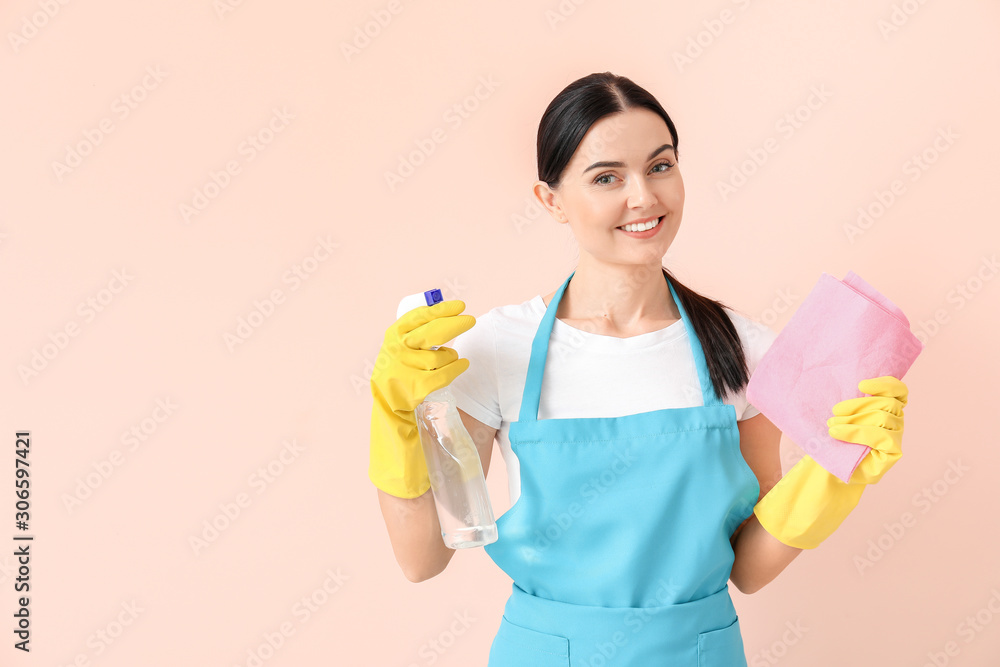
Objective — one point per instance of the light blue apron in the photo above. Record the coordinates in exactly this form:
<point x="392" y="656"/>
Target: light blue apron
<point x="618" y="545"/>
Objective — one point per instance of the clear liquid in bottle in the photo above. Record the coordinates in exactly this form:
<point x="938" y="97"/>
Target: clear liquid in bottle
<point x="456" y="474"/>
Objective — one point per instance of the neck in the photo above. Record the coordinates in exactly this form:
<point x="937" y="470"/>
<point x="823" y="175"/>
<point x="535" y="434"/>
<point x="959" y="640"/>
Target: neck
<point x="618" y="297"/>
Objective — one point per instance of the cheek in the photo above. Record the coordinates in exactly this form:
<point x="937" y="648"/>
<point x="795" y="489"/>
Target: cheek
<point x="674" y="196"/>
<point x="598" y="213"/>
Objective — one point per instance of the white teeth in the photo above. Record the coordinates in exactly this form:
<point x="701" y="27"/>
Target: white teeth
<point x="641" y="227"/>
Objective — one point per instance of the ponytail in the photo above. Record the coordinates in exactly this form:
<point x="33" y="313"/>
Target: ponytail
<point x="727" y="365"/>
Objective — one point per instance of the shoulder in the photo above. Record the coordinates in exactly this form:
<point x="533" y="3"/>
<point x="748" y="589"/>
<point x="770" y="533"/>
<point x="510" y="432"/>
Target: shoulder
<point x="505" y="321"/>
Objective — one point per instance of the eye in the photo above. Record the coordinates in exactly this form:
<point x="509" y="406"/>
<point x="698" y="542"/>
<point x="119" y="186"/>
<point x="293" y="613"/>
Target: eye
<point x="664" y="163"/>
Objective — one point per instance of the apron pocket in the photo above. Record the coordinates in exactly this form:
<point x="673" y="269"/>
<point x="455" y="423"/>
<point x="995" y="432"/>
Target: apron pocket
<point x="722" y="648"/>
<point x="517" y="646"/>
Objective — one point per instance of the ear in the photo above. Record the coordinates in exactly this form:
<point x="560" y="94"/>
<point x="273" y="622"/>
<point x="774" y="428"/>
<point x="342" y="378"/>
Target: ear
<point x="549" y="198"/>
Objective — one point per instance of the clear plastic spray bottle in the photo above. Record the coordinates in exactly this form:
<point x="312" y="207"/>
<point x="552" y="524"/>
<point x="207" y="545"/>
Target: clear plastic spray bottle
<point x="456" y="473"/>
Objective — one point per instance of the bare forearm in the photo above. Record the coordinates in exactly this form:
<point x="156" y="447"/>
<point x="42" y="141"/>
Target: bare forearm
<point x="759" y="557"/>
<point x="415" y="534"/>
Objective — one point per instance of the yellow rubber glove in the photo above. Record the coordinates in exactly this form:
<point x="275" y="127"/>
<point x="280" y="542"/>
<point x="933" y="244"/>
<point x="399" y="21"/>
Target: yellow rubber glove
<point x="808" y="504"/>
<point x="406" y="370"/>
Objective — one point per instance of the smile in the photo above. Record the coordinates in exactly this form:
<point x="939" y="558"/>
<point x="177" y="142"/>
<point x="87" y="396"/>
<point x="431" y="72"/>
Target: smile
<point x="643" y="230"/>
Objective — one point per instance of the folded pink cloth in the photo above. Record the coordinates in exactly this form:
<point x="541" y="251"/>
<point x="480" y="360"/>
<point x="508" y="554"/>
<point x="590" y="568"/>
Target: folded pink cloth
<point x="843" y="332"/>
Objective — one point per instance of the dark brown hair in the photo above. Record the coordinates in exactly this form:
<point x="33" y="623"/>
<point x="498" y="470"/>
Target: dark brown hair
<point x="565" y="122"/>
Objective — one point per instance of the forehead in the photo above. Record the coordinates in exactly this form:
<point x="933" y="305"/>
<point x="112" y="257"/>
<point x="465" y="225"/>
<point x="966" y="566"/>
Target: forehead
<point x="627" y="135"/>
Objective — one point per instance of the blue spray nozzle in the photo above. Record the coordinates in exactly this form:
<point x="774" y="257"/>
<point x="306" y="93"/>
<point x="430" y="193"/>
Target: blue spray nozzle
<point x="433" y="296"/>
<point x="429" y="298"/>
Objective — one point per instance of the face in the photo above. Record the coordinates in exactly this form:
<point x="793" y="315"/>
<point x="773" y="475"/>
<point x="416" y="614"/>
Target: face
<point x="624" y="171"/>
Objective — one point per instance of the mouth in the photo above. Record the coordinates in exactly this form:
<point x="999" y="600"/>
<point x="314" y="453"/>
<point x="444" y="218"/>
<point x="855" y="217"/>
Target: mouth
<point x="643" y="230"/>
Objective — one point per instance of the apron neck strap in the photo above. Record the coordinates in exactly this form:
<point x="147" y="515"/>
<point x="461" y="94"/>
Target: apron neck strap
<point x="540" y="347"/>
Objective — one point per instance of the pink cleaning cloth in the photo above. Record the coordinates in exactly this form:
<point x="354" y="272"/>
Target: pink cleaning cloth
<point x="843" y="332"/>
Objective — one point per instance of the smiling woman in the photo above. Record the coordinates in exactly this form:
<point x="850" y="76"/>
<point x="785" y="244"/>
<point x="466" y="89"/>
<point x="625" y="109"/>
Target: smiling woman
<point x="636" y="467"/>
<point x="608" y="167"/>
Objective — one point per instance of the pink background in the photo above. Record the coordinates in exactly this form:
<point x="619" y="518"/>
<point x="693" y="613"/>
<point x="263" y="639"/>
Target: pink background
<point x="461" y="221"/>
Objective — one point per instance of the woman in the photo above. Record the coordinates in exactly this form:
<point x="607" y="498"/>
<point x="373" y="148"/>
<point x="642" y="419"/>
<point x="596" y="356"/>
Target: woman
<point x="636" y="492"/>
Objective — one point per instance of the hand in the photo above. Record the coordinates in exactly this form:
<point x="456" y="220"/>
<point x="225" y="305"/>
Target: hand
<point x="406" y="371"/>
<point x="808" y="504"/>
<point x="875" y="421"/>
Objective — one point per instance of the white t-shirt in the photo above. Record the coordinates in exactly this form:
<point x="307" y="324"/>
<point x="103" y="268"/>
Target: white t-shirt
<point x="586" y="374"/>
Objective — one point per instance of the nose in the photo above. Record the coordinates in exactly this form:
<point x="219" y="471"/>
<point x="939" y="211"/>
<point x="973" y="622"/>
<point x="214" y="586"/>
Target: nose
<point x="640" y="194"/>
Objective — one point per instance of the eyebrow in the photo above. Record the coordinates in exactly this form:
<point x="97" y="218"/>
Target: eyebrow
<point x="656" y="152"/>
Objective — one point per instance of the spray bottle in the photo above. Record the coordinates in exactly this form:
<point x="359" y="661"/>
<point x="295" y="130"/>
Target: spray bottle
<point x="456" y="473"/>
